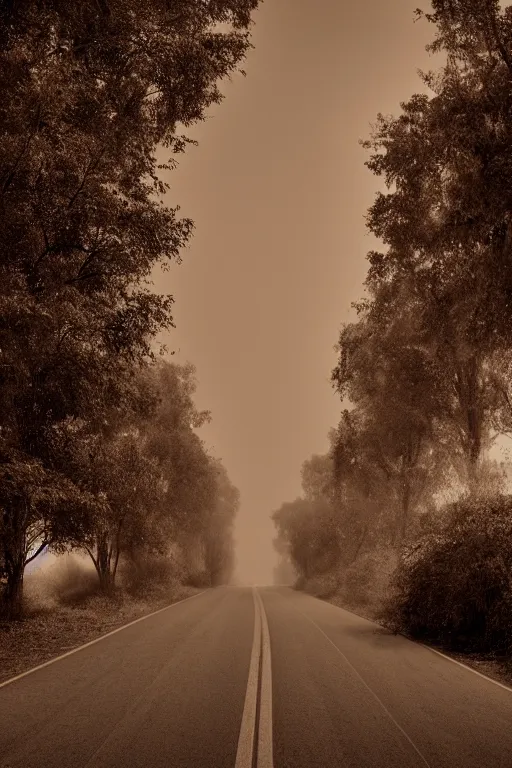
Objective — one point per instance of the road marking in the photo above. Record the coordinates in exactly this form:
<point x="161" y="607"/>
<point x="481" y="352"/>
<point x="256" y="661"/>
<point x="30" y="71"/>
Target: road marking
<point x="255" y="739"/>
<point x="461" y="664"/>
<point x="422" y="645"/>
<point x="265" y="751"/>
<point x="97" y="640"/>
<point x="248" y="726"/>
<point x="386" y="710"/>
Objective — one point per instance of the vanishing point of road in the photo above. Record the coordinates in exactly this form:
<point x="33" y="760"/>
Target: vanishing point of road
<point x="254" y="678"/>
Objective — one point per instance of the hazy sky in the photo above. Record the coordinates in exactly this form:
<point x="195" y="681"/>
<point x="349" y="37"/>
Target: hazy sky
<point x="278" y="190"/>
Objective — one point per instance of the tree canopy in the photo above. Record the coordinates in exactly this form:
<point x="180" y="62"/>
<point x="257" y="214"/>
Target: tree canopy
<point x="90" y="91"/>
<point x="423" y="372"/>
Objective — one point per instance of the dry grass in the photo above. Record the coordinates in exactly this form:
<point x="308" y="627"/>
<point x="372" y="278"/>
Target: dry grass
<point x="64" y="610"/>
<point x="45" y="634"/>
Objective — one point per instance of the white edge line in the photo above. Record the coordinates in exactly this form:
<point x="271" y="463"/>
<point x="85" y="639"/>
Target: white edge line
<point x="97" y="639"/>
<point x="370" y="690"/>
<point x="265" y="741"/>
<point x="244" y="752"/>
<point x="417" y="642"/>
<point x="461" y="664"/>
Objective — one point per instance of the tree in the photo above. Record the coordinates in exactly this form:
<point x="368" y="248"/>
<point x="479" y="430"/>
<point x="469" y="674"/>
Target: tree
<point x="401" y="402"/>
<point x="305" y="533"/>
<point x="218" y="534"/>
<point x="445" y="216"/>
<point x="284" y="572"/>
<point x="90" y="91"/>
<point x="172" y="441"/>
<point x="460" y="372"/>
<point x="453" y="583"/>
<point x="39" y="509"/>
<point x="316" y="477"/>
<point x="362" y="494"/>
<point x="128" y="483"/>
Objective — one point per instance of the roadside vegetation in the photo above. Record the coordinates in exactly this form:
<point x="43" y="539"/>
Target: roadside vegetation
<point x="100" y="447"/>
<point x="408" y="517"/>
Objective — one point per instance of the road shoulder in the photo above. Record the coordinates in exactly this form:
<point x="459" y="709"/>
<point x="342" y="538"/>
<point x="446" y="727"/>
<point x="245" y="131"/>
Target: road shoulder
<point x="45" y="635"/>
<point x="495" y="667"/>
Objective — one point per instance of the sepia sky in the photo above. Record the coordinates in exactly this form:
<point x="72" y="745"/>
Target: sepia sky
<point x="278" y="190"/>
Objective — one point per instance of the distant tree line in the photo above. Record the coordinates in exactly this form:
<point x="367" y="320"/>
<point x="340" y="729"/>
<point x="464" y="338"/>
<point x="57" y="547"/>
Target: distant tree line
<point x="97" y="442"/>
<point x="425" y="372"/>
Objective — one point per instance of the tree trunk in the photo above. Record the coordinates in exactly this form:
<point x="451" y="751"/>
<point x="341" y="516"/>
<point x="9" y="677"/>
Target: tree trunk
<point x="470" y="398"/>
<point x="103" y="563"/>
<point x="404" y="517"/>
<point x="13" y="555"/>
<point x="106" y="581"/>
<point x="104" y="571"/>
<point x="475" y="446"/>
<point x="12" y="597"/>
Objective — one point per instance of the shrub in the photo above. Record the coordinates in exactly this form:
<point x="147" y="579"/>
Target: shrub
<point x="454" y="584"/>
<point x="324" y="586"/>
<point x="365" y="582"/>
<point x="68" y="581"/>
<point x="141" y="576"/>
<point x="197" y="579"/>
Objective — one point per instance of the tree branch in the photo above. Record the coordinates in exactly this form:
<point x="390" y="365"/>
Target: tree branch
<point x="499" y="42"/>
<point x="92" y="557"/>
<point x="36" y="553"/>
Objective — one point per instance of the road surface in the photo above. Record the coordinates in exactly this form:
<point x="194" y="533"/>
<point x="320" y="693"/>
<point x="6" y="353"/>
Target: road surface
<point x="254" y="678"/>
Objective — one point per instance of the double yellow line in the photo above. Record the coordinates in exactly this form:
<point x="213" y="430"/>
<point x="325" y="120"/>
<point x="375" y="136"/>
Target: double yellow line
<point x="255" y="739"/>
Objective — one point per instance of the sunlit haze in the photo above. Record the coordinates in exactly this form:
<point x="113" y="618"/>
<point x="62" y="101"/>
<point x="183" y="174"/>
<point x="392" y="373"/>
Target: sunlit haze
<point x="278" y="190"/>
<point x="286" y="540"/>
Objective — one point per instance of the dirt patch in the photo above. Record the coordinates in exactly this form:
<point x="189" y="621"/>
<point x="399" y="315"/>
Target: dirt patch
<point x="45" y="634"/>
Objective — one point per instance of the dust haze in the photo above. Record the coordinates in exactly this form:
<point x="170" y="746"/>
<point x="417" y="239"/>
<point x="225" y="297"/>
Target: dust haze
<point x="278" y="191"/>
<point x="271" y="352"/>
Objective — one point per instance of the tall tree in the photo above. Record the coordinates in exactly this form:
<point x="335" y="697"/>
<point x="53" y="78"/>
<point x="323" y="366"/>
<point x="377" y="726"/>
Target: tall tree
<point x="171" y="439"/>
<point x="317" y="477"/>
<point x="218" y="534"/>
<point x="445" y="218"/>
<point x="363" y="496"/>
<point x="387" y="371"/>
<point x="89" y="92"/>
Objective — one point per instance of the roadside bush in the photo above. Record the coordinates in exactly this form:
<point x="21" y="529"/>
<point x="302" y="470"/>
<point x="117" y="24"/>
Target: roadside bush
<point x="323" y="587"/>
<point x="362" y="586"/>
<point x="454" y="585"/>
<point x="197" y="579"/>
<point x="149" y="574"/>
<point x="68" y="581"/>
<point x="365" y="583"/>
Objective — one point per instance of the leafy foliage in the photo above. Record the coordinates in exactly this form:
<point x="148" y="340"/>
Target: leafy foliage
<point x="424" y="372"/>
<point x="90" y="90"/>
<point x="454" y="583"/>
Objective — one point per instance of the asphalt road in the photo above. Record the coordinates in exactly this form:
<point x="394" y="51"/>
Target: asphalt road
<point x="266" y="678"/>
